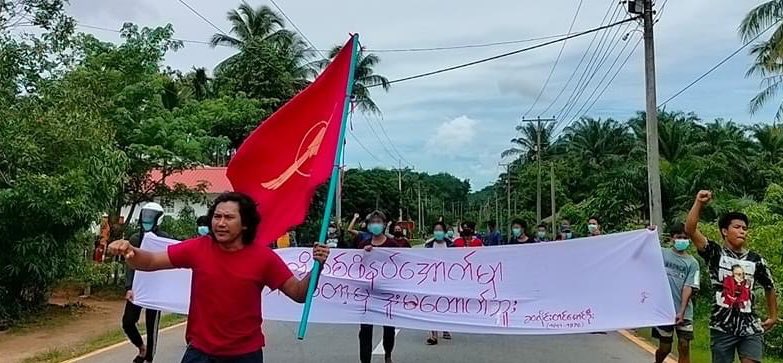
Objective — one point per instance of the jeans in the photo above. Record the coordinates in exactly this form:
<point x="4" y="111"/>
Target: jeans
<point x="193" y="355"/>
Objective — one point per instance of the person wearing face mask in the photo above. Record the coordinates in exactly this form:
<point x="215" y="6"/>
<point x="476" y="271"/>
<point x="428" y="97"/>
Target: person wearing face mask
<point x="334" y="237"/>
<point x="439" y="240"/>
<point x="399" y="236"/>
<point x="541" y="233"/>
<point x="468" y="236"/>
<point x="149" y="220"/>
<point x="450" y="234"/>
<point x="593" y="226"/>
<point x="682" y="270"/>
<point x="519" y="233"/>
<point x="202" y="226"/>
<point x="565" y="231"/>
<point x="375" y="226"/>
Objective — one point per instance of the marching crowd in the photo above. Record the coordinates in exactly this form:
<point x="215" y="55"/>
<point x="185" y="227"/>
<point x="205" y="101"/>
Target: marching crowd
<point x="230" y="269"/>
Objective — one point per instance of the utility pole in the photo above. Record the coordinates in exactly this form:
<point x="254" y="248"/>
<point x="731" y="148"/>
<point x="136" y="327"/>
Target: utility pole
<point x="538" y="122"/>
<point x="399" y="187"/>
<point x="552" y="195"/>
<point x="420" y="217"/>
<point x="653" y="158"/>
<point x="339" y="206"/>
<point x="508" y="193"/>
<point x="497" y="207"/>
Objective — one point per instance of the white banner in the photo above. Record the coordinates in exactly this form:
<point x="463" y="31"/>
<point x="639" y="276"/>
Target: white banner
<point x="603" y="283"/>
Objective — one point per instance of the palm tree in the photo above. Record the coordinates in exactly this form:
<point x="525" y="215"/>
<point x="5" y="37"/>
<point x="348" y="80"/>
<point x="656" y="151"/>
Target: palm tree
<point x="596" y="141"/>
<point x="769" y="53"/>
<point x="365" y="79"/>
<point x="677" y="133"/>
<point x="769" y="143"/>
<point x="260" y="24"/>
<point x="526" y="144"/>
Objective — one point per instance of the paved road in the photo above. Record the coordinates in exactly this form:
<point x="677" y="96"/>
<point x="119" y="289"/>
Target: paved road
<point x="339" y="343"/>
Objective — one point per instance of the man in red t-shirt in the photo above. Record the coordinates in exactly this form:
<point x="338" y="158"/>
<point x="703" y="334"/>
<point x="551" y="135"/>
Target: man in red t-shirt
<point x="399" y="236"/>
<point x="468" y="236"/>
<point x="230" y="270"/>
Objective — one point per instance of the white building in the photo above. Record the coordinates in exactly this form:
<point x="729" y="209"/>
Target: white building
<point x="215" y="179"/>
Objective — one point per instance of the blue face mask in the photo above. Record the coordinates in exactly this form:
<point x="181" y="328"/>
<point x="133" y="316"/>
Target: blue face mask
<point x="147" y="226"/>
<point x="450" y="233"/>
<point x="681" y="244"/>
<point x="203" y="230"/>
<point x="516" y="231"/>
<point x="439" y="235"/>
<point x="567" y="235"/>
<point x="375" y="228"/>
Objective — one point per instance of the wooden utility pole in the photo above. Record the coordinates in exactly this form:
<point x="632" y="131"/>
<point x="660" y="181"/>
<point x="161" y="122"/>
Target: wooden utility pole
<point x="552" y="195"/>
<point x="539" y="130"/>
<point x="508" y="194"/>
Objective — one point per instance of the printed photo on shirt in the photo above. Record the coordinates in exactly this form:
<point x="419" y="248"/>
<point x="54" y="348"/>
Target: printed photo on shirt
<point x="737" y="278"/>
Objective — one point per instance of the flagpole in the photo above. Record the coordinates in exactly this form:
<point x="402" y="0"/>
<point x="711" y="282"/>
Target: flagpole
<point x="332" y="188"/>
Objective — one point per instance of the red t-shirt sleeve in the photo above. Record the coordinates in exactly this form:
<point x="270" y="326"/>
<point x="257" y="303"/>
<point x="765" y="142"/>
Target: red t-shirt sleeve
<point x="277" y="273"/>
<point x="182" y="254"/>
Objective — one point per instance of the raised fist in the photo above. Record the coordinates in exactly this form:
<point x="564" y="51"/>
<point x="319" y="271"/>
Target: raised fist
<point x="704" y="196"/>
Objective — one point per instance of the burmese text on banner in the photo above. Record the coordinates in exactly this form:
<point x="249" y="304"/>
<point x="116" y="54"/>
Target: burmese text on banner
<point x="602" y="283"/>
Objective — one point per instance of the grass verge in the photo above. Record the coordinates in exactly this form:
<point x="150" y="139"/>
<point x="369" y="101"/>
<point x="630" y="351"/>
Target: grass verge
<point x="59" y="354"/>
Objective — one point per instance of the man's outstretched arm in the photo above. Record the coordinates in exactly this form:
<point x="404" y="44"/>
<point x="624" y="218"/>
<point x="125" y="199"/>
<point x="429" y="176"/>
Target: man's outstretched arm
<point x="139" y="259"/>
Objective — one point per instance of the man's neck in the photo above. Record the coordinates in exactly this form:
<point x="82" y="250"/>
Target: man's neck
<point x="681" y="253"/>
<point x="379" y="238"/>
<point x="732" y="248"/>
<point x="235" y="245"/>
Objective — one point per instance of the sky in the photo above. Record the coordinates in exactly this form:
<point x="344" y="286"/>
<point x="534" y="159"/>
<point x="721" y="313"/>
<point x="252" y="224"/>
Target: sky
<point x="460" y="121"/>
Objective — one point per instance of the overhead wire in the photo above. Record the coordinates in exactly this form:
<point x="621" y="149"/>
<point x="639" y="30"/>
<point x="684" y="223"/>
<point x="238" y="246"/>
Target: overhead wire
<point x="358" y="141"/>
<point x="554" y="65"/>
<point x="581" y="61"/>
<point x="585" y="108"/>
<point x="391" y="143"/>
<point x="575" y="93"/>
<point x="507" y="54"/>
<point x="604" y="48"/>
<point x="194" y="11"/>
<point x="297" y="29"/>
<point x="716" y="66"/>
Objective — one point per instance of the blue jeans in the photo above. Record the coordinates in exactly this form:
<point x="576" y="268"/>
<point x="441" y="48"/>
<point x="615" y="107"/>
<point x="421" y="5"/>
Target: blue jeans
<point x="192" y="355"/>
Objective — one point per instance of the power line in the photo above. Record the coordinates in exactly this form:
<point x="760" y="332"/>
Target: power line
<point x="202" y="17"/>
<point x="507" y="54"/>
<point x="465" y="46"/>
<point x="119" y="31"/>
<point x="580" y="86"/>
<point x="724" y="60"/>
<point x="380" y="141"/>
<point x="554" y="66"/>
<point x="582" y="110"/>
<point x="615" y="74"/>
<point x="581" y="61"/>
<point x="364" y="147"/>
<point x="383" y="130"/>
<point x="297" y="29"/>
<point x="602" y="54"/>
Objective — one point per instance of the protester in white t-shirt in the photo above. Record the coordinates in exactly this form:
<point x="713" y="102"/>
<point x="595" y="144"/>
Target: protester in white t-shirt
<point x="439" y="240"/>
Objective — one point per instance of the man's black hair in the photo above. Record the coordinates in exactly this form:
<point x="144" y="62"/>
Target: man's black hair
<point x="247" y="213"/>
<point x="203" y="221"/>
<point x="596" y="219"/>
<point x="441" y="224"/>
<point x="542" y="225"/>
<point x="469" y="224"/>
<point x="375" y="214"/>
<point x="725" y="221"/>
<point x="492" y="224"/>
<point x="520" y="222"/>
<point x="677" y="228"/>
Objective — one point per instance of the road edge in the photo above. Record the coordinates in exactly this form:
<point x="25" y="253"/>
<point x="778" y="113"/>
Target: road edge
<point x="117" y="345"/>
<point x="641" y="343"/>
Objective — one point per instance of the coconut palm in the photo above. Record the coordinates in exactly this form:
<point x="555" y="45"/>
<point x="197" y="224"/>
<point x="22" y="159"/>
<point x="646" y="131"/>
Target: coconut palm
<point x="596" y="141"/>
<point x="768" y="54"/>
<point x="525" y="145"/>
<point x="365" y="79"/>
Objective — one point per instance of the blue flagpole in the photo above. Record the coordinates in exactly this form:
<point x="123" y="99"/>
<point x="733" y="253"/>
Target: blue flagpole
<point x="332" y="188"/>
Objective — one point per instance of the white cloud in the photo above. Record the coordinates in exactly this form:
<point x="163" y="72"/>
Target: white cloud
<point x="452" y="136"/>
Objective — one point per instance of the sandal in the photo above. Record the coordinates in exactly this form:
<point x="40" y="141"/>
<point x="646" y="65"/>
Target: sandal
<point x="446" y="335"/>
<point x="432" y="341"/>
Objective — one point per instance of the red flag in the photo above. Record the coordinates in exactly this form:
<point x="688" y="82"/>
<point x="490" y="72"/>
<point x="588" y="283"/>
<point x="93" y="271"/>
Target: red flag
<point x="286" y="158"/>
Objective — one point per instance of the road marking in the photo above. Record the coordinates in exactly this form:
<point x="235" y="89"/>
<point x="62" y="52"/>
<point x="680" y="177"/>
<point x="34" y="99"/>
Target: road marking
<point x="115" y="346"/>
<point x="643" y="344"/>
<point x="379" y="348"/>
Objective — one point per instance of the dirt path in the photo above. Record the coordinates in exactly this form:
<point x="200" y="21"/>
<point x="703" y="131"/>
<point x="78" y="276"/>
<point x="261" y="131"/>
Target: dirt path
<point x="62" y="327"/>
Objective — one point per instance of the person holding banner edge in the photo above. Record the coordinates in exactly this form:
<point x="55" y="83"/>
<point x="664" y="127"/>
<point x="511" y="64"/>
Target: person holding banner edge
<point x="439" y="240"/>
<point x="375" y="225"/>
<point x="230" y="270"/>
<point x="733" y="330"/>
